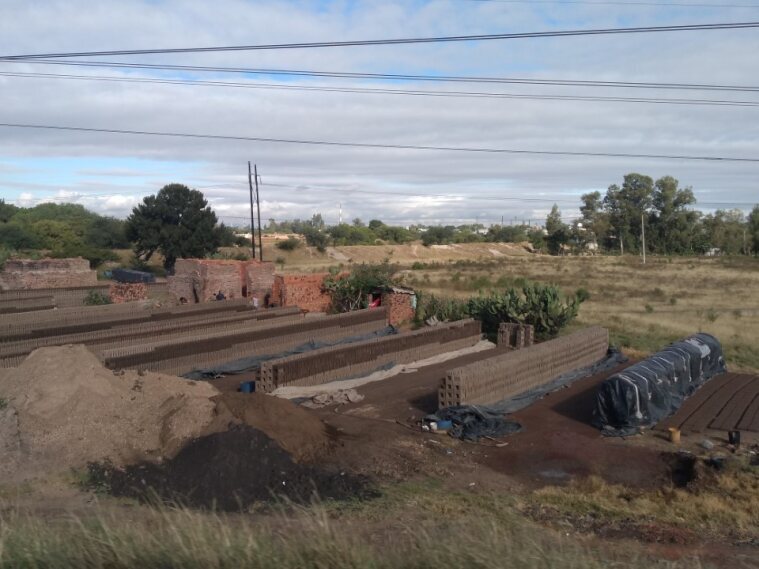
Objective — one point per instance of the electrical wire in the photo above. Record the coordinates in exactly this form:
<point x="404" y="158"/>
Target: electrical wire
<point x="382" y="146"/>
<point x="396" y="41"/>
<point x="372" y="91"/>
<point x="400" y="77"/>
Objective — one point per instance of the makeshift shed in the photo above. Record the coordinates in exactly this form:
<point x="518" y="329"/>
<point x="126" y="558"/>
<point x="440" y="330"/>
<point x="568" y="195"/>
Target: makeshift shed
<point x="647" y="392"/>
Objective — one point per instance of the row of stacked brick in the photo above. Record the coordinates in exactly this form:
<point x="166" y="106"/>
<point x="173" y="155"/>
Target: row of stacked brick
<point x="123" y="334"/>
<point x="508" y="374"/>
<point x="26" y="300"/>
<point x="204" y="350"/>
<point x="89" y="318"/>
<point x="336" y="362"/>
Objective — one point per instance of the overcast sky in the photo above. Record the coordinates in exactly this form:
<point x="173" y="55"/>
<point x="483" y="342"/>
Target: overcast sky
<point x="110" y="173"/>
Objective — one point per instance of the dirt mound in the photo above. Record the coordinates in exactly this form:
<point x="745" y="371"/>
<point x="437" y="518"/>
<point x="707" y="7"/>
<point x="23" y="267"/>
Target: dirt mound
<point x="71" y="410"/>
<point x="228" y="471"/>
<point x="296" y="430"/>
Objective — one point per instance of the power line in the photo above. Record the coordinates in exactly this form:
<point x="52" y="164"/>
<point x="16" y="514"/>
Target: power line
<point x="382" y="146"/>
<point x="618" y="3"/>
<point x="402" y="77"/>
<point x="396" y="41"/>
<point x="372" y="91"/>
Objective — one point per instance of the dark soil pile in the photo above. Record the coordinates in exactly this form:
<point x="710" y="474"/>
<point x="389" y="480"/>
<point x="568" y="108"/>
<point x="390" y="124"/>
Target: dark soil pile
<point x="298" y="431"/>
<point x="228" y="471"/>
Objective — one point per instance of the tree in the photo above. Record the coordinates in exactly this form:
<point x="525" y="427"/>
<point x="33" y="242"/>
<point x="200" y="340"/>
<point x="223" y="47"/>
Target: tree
<point x="177" y="222"/>
<point x="753" y="229"/>
<point x="7" y="211"/>
<point x="558" y="232"/>
<point x="673" y="226"/>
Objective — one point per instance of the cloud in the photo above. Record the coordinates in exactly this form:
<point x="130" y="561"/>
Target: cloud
<point x="300" y="180"/>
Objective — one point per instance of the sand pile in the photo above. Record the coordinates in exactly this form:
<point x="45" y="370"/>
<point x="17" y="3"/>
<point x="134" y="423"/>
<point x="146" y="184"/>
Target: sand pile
<point x="70" y="410"/>
<point x="296" y="430"/>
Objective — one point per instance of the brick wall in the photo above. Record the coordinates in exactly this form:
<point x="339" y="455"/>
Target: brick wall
<point x="400" y="307"/>
<point x="46" y="273"/>
<point x="127" y="292"/>
<point x="509" y="374"/>
<point x="199" y="280"/>
<point x="259" y="280"/>
<point x="304" y="291"/>
<point x="336" y="362"/>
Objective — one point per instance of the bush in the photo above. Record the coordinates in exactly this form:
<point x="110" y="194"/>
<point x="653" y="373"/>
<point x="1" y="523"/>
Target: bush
<point x="95" y="298"/>
<point x="317" y="239"/>
<point x="541" y="306"/>
<point x="350" y="292"/>
<point x="289" y="244"/>
<point x="582" y="294"/>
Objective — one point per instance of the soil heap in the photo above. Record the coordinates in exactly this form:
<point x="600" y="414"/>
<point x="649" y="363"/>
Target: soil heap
<point x="297" y="431"/>
<point x="66" y="410"/>
<point x="231" y="471"/>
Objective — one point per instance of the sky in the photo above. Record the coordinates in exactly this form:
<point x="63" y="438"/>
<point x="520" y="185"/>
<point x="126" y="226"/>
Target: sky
<point x="111" y="173"/>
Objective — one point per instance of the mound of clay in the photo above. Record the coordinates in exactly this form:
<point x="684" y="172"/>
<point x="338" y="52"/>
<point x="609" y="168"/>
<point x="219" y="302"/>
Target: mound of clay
<point x="71" y="411"/>
<point x="297" y="431"/>
<point x="229" y="471"/>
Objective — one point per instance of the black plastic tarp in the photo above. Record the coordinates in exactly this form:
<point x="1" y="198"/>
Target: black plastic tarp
<point x="647" y="392"/>
<point x="254" y="361"/>
<point x="472" y="422"/>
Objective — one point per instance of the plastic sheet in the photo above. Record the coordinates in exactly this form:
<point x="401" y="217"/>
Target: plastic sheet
<point x="647" y="392"/>
<point x="473" y="422"/>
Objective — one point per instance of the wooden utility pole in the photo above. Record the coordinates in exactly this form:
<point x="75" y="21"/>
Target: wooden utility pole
<point x="252" y="226"/>
<point x="258" y="209"/>
<point x="643" y="236"/>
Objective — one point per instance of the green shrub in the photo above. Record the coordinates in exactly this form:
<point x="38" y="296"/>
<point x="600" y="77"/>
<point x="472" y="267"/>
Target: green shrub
<point x="582" y="294"/>
<point x="649" y="308"/>
<point x="417" y="266"/>
<point x="3" y="403"/>
<point x="95" y="298"/>
<point x="350" y="292"/>
<point x="541" y="306"/>
<point x="289" y="244"/>
<point x="94" y="255"/>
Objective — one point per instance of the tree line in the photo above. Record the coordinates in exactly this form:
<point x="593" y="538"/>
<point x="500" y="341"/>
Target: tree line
<point x="662" y="212"/>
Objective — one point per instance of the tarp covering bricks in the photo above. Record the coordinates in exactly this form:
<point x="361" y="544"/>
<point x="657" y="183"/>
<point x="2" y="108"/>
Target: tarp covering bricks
<point x="647" y="392"/>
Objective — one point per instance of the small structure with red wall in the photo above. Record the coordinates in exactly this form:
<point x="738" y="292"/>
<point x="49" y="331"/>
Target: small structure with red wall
<point x="200" y="280"/>
<point x="304" y="291"/>
<point x="401" y="305"/>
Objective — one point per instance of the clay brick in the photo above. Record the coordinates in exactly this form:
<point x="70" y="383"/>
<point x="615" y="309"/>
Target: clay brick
<point x="305" y="291"/>
<point x="401" y="306"/>
<point x="127" y="292"/>
<point x="199" y="280"/>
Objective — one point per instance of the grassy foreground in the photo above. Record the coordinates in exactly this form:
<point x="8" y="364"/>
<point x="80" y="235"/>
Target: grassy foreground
<point x="181" y="538"/>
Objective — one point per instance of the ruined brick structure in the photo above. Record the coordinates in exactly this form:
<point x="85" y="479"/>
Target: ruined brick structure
<point x="400" y="304"/>
<point x="46" y="273"/>
<point x="304" y="291"/>
<point x="200" y="280"/>
<point x="127" y="292"/>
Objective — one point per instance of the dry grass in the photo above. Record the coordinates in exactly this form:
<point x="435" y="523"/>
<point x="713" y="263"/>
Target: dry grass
<point x="644" y="306"/>
<point x="165" y="539"/>
<point x="714" y="506"/>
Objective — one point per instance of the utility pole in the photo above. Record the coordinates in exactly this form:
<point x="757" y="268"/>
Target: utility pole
<point x="258" y="209"/>
<point x="340" y="214"/>
<point x="252" y="227"/>
<point x="745" y="249"/>
<point x="643" y="236"/>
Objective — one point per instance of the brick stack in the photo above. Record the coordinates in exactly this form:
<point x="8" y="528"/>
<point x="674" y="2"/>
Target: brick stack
<point x="400" y="306"/>
<point x="304" y="291"/>
<point x="509" y="374"/>
<point x="46" y="273"/>
<point x="516" y="336"/>
<point x="336" y="362"/>
<point x="127" y="292"/>
<point x="200" y="280"/>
